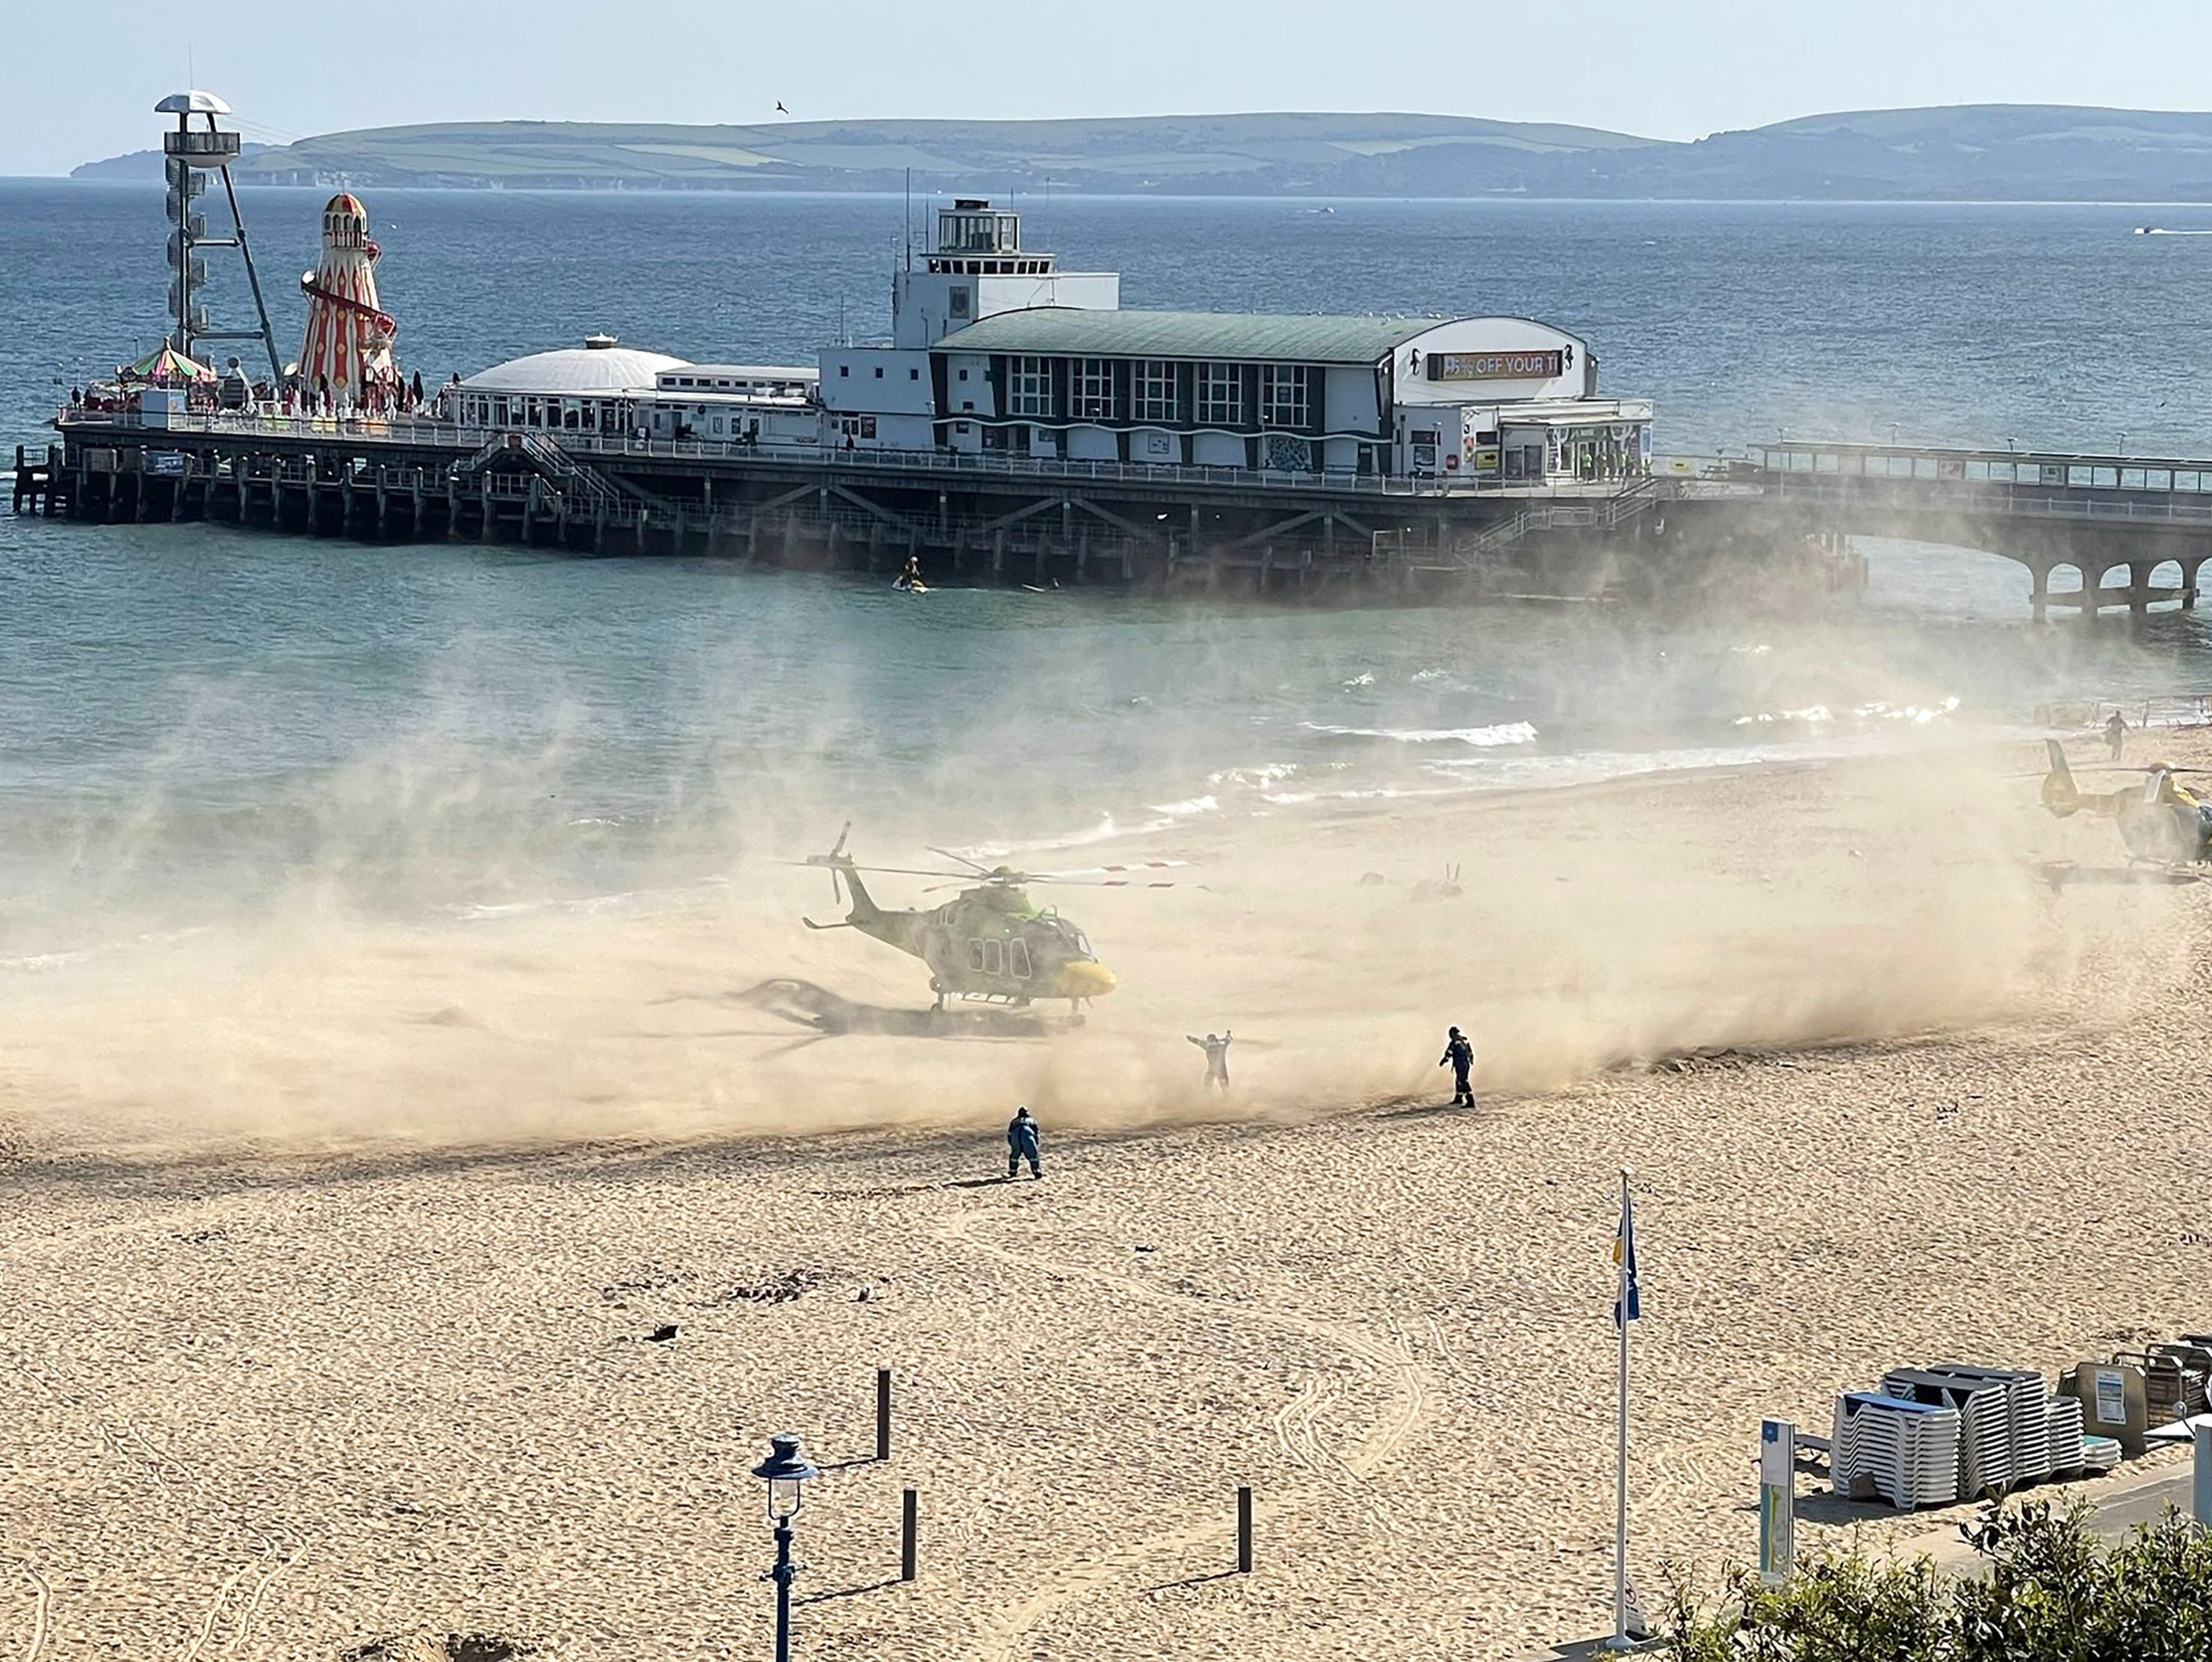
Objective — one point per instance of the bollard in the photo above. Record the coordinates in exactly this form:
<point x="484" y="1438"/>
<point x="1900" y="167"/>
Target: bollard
<point x="1244" y="1529"/>
<point x="2201" y="1436"/>
<point x="907" y="1532"/>
<point x="883" y="1413"/>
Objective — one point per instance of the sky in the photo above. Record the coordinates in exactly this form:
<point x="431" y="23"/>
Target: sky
<point x="78" y="81"/>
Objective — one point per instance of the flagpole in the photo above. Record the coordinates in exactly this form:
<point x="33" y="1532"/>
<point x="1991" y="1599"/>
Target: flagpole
<point x="1620" y="1639"/>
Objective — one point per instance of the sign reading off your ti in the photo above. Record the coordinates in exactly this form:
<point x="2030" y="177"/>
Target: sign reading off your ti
<point x="1493" y="366"/>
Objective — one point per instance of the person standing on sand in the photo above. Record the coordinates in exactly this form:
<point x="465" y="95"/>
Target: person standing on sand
<point x="2115" y="734"/>
<point x="1217" y="1058"/>
<point x="1461" y="1055"/>
<point x="1021" y="1145"/>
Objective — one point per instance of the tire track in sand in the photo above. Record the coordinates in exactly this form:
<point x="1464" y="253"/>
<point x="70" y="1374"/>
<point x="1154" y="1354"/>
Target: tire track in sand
<point x="41" y="1608"/>
<point x="121" y="1437"/>
<point x="1295" y="1426"/>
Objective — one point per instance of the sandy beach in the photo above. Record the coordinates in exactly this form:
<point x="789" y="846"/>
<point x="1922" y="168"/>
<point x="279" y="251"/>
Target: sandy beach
<point x="331" y="1247"/>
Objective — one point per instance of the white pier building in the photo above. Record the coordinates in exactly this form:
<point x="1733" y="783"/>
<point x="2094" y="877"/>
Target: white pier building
<point x="995" y="351"/>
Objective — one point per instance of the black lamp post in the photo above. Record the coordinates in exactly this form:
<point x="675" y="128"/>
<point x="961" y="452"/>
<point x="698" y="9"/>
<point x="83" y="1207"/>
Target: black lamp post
<point x="783" y="1471"/>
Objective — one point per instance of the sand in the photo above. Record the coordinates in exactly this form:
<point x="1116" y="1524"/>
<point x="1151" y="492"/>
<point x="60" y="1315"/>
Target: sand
<point x="331" y="1247"/>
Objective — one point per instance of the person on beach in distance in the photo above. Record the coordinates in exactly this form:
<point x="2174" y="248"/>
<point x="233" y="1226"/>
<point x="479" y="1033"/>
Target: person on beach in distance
<point x="2115" y="734"/>
<point x="1216" y="1048"/>
<point x="1021" y="1145"/>
<point x="1461" y="1055"/>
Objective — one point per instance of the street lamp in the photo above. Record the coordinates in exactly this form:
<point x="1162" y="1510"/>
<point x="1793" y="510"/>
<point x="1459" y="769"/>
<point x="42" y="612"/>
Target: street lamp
<point x="783" y="1471"/>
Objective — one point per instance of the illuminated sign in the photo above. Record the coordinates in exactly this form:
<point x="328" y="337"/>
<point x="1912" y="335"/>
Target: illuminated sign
<point x="1494" y="365"/>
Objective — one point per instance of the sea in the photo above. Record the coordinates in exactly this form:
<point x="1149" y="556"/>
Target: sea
<point x="191" y="714"/>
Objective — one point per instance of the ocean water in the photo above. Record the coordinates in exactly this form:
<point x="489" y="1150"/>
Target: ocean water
<point x="188" y="714"/>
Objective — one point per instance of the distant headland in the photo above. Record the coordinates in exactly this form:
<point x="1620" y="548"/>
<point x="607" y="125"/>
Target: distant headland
<point x="2027" y="153"/>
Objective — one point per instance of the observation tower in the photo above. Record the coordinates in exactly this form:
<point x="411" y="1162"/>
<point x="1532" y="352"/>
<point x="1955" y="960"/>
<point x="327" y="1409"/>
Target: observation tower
<point x="190" y="155"/>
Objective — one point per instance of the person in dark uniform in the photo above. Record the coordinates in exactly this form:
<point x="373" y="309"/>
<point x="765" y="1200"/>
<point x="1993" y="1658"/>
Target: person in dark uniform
<point x="1461" y="1055"/>
<point x="2115" y="734"/>
<point x="1021" y="1145"/>
<point x="1216" y="1046"/>
<point x="910" y="573"/>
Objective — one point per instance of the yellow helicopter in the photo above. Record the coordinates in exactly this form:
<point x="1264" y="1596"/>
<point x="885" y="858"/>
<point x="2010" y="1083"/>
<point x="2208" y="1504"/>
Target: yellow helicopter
<point x="990" y="943"/>
<point x="2161" y="821"/>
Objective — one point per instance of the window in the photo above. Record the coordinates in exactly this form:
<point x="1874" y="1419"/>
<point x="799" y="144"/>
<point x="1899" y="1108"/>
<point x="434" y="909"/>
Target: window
<point x="914" y="374"/>
<point x="1093" y="390"/>
<point x="844" y="371"/>
<point x="995" y="958"/>
<point x="1030" y="387"/>
<point x="1220" y="395"/>
<point x="1282" y="395"/>
<point x="1155" y="390"/>
<point x="959" y="303"/>
<point x="976" y="956"/>
<point x="1017" y="959"/>
<point x="963" y="374"/>
<point x="879" y="372"/>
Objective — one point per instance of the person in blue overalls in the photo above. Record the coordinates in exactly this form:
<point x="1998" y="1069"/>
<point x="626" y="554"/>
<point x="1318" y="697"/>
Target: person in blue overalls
<point x="1461" y="1055"/>
<point x="1021" y="1145"/>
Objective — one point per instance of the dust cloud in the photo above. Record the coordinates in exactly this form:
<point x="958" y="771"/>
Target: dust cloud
<point x="1596" y="925"/>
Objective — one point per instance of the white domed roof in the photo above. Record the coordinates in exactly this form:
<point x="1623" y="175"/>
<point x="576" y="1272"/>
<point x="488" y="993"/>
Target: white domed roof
<point x="598" y="367"/>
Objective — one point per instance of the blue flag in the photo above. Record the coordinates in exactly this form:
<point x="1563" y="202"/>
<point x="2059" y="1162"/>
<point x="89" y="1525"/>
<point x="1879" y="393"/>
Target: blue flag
<point x="1624" y="1255"/>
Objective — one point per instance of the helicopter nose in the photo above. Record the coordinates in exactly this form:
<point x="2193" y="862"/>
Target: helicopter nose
<point x="1086" y="981"/>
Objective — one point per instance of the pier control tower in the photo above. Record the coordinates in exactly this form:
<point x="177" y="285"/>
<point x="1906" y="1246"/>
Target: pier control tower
<point x="980" y="269"/>
<point x="189" y="156"/>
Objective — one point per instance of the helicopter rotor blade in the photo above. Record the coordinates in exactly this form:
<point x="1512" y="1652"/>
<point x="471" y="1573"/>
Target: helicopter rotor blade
<point x="977" y="867"/>
<point x="1113" y="876"/>
<point x="889" y="871"/>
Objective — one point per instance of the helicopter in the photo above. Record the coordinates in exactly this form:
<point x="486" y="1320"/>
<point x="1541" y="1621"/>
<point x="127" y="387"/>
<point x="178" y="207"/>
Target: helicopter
<point x="2161" y="820"/>
<point x="990" y="943"/>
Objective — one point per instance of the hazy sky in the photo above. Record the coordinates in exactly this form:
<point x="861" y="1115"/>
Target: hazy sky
<point x="78" y="79"/>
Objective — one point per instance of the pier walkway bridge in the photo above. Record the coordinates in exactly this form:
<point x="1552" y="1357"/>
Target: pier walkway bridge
<point x="2050" y="512"/>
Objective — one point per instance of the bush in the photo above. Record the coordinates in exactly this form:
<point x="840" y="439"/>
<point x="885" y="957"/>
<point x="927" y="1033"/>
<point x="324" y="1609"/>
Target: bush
<point x="2053" y="1592"/>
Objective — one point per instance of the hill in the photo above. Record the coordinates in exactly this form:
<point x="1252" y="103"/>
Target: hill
<point x="2004" y="152"/>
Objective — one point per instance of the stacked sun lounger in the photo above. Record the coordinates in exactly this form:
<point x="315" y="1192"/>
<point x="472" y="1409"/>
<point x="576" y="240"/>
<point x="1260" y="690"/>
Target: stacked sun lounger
<point x="1985" y="1444"/>
<point x="2062" y="1427"/>
<point x="2099" y="1454"/>
<point x="2027" y="1396"/>
<point x="1906" y="1451"/>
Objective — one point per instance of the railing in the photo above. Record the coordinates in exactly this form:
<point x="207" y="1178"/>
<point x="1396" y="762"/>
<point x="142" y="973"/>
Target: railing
<point x="2168" y="507"/>
<point x="448" y="436"/>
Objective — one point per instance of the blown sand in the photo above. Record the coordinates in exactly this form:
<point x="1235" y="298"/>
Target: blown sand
<point x="331" y="1246"/>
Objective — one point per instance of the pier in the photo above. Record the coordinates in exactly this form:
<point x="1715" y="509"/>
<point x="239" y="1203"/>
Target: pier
<point x="1699" y="526"/>
<point x="1013" y="519"/>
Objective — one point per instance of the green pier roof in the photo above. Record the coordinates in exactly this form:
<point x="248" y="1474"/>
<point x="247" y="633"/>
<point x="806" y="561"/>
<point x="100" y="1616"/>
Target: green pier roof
<point x="1074" y="331"/>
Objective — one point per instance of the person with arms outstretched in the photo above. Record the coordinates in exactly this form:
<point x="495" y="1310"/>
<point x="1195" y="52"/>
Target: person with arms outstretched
<point x="1216" y="1046"/>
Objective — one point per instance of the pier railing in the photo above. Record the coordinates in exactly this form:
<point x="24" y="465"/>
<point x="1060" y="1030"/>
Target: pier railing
<point x="448" y="436"/>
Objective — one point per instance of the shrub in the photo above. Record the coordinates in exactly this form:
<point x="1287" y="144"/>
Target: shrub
<point x="2053" y="1592"/>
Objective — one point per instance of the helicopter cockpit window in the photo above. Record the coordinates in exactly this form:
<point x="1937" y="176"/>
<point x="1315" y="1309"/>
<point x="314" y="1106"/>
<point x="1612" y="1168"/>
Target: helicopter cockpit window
<point x="1017" y="959"/>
